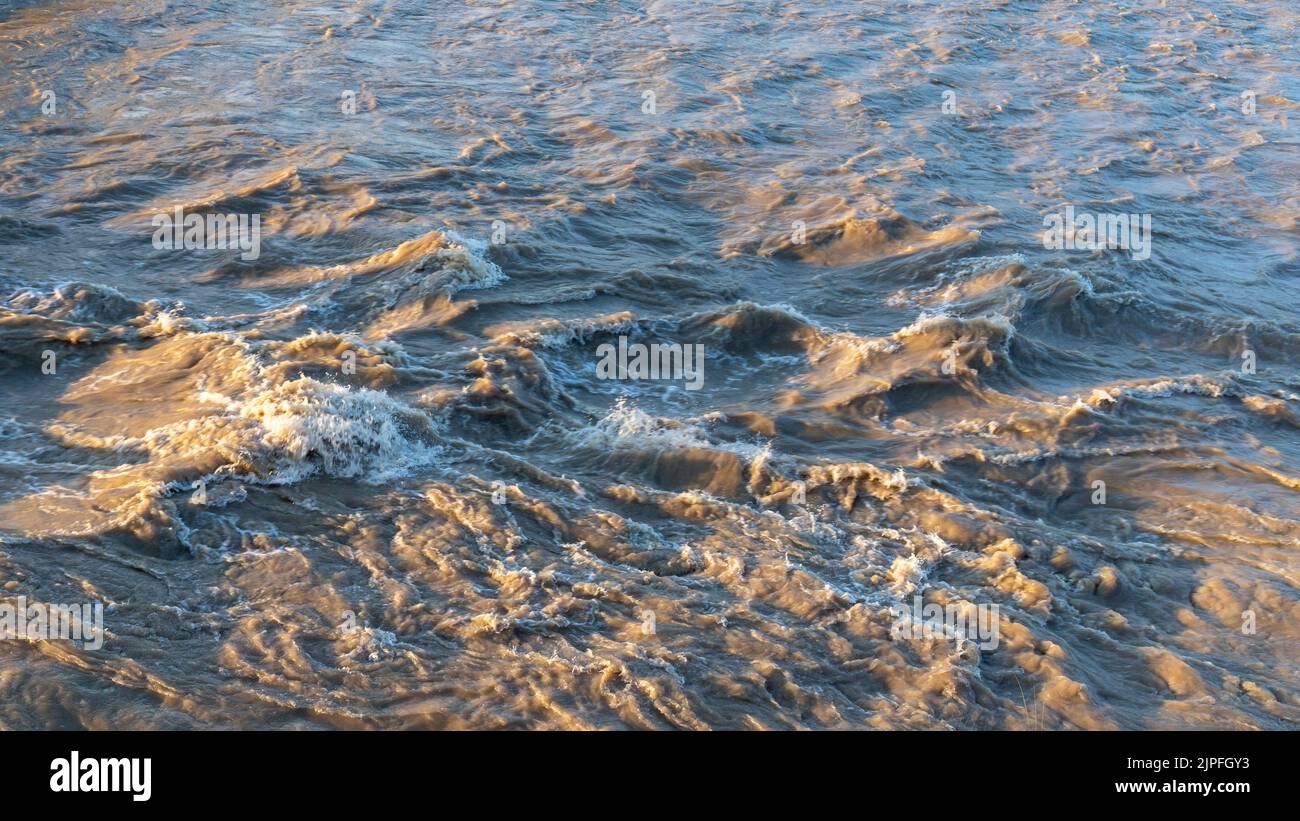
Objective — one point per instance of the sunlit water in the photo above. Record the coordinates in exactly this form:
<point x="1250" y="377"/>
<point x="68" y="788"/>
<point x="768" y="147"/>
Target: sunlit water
<point x="373" y="477"/>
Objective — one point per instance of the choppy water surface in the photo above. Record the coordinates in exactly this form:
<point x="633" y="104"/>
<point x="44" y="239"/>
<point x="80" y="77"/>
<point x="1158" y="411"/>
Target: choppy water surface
<point x="372" y="478"/>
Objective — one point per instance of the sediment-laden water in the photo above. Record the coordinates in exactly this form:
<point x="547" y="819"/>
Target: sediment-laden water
<point x="378" y="469"/>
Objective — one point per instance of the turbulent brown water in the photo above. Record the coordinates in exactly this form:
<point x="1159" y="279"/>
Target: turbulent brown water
<point x="373" y="478"/>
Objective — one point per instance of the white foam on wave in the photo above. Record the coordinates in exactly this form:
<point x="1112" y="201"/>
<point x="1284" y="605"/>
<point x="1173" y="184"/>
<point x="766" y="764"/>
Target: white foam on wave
<point x="470" y="269"/>
<point x="303" y="427"/>
<point x="266" y="429"/>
